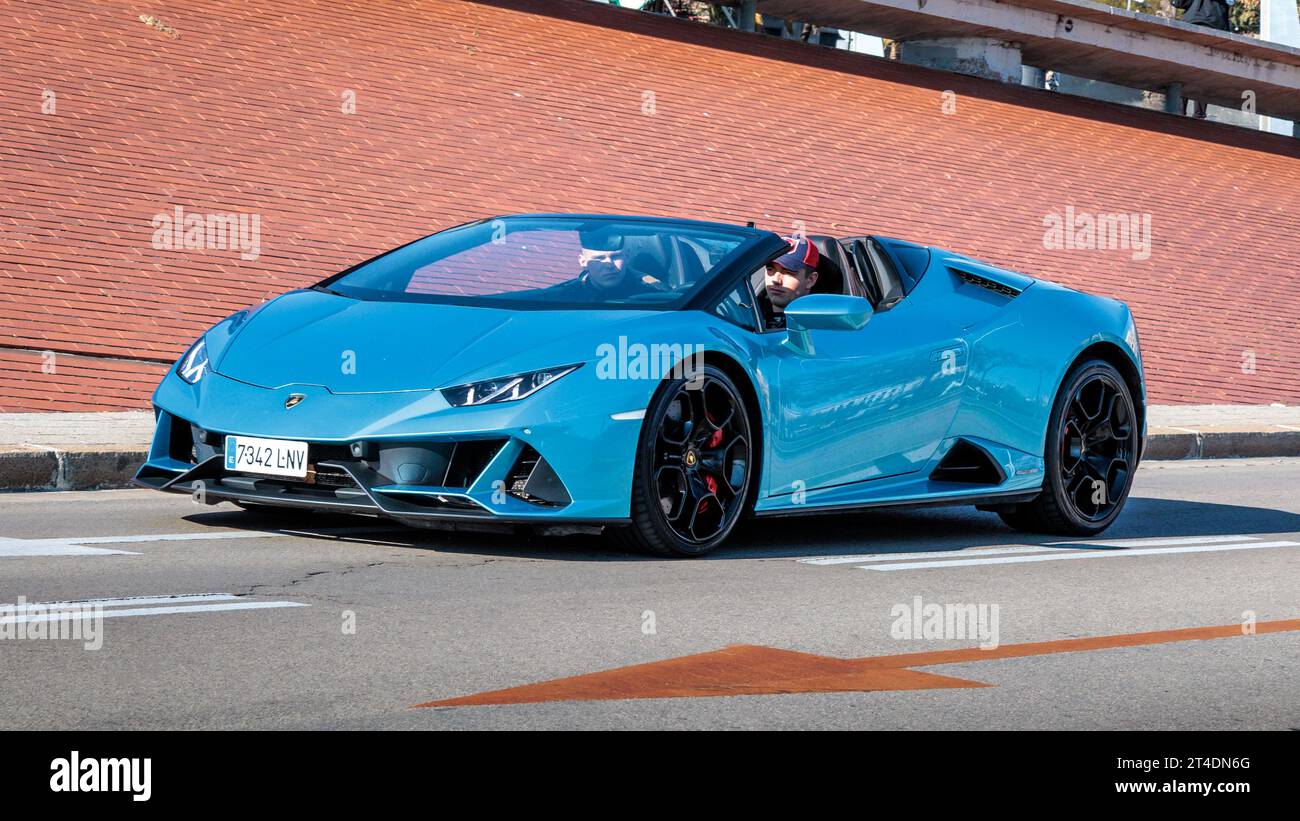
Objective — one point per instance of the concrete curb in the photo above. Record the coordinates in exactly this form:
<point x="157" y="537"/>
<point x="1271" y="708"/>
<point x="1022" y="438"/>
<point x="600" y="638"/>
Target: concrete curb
<point x="1223" y="444"/>
<point x="112" y="466"/>
<point x="73" y="468"/>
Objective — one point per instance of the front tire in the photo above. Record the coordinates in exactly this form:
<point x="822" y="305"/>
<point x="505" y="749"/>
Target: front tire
<point x="1091" y="455"/>
<point x="694" y="467"/>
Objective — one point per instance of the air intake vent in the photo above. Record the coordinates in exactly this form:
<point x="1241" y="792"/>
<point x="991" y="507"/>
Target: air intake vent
<point x="986" y="283"/>
<point x="533" y="480"/>
<point x="968" y="464"/>
<point x="182" y="444"/>
<point x="469" y="459"/>
<point x="330" y="476"/>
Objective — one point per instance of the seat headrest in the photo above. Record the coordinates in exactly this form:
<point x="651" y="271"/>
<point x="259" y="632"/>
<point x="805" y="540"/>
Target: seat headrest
<point x="647" y="255"/>
<point x="832" y="266"/>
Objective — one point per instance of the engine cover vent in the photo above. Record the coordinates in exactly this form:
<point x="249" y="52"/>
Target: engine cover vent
<point x="986" y="283"/>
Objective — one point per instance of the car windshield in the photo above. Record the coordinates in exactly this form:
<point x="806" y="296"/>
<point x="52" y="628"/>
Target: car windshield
<point x="551" y="262"/>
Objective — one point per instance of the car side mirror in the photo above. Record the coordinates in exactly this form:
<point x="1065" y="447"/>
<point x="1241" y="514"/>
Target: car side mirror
<point x="823" y="312"/>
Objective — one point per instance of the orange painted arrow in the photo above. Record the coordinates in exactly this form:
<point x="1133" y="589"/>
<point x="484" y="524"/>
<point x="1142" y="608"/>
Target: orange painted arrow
<point x="746" y="670"/>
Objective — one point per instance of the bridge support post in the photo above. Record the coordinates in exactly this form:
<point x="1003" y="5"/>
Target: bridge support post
<point x="1174" y="98"/>
<point x="979" y="56"/>
<point x="748" y="9"/>
<point x="1033" y="77"/>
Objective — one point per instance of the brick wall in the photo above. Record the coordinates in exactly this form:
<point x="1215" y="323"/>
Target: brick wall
<point x="465" y="109"/>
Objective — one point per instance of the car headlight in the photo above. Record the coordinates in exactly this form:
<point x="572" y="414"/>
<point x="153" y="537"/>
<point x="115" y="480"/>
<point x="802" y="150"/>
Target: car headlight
<point x="194" y="362"/>
<point x="505" y="388"/>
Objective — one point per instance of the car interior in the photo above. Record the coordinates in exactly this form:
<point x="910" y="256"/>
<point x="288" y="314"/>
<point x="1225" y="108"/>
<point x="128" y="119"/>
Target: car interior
<point x="858" y="266"/>
<point x="672" y="260"/>
<point x="881" y="280"/>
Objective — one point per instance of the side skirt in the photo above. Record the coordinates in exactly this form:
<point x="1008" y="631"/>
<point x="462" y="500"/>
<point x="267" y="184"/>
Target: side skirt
<point x="1005" y="498"/>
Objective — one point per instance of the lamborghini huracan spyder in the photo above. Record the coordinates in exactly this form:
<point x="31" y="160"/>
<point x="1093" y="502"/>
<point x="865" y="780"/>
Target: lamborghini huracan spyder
<point x="627" y="373"/>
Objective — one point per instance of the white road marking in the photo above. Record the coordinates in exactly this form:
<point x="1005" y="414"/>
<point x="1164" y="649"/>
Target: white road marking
<point x="14" y="548"/>
<point x="1049" y="551"/>
<point x="929" y="554"/>
<point x="79" y="545"/>
<point x="135" y="606"/>
<point x="1087" y="554"/>
<point x="1158" y="542"/>
<point x="164" y="537"/>
<point x="133" y="601"/>
<point x="153" y="611"/>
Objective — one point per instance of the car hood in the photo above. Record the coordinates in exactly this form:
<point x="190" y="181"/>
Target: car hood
<point x="355" y="346"/>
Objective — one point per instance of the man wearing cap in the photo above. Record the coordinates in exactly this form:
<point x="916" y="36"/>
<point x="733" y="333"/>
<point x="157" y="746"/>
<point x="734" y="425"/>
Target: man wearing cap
<point x="789" y="277"/>
<point x="605" y="274"/>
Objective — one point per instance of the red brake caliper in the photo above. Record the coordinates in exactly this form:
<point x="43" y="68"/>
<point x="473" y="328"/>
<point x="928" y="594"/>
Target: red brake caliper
<point x="714" y="441"/>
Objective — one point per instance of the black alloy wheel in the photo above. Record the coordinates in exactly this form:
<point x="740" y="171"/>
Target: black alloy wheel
<point x="1091" y="456"/>
<point x="694" y="466"/>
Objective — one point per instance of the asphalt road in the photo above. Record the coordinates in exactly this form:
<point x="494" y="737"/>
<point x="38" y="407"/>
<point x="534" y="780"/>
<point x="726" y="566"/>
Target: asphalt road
<point x="443" y="615"/>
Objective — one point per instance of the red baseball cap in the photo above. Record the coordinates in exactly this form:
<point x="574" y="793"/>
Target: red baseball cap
<point x="801" y="257"/>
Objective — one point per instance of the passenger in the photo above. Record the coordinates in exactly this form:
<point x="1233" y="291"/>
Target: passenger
<point x="789" y="277"/>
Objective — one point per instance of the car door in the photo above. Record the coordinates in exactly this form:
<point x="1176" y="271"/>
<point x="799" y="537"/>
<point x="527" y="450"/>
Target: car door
<point x="869" y="403"/>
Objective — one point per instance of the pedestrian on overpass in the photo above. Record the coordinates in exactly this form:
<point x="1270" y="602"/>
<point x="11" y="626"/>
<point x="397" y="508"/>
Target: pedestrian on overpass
<point x="1211" y="14"/>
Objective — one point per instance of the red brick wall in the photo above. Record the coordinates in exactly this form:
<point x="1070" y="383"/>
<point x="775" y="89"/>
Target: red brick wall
<point x="466" y="109"/>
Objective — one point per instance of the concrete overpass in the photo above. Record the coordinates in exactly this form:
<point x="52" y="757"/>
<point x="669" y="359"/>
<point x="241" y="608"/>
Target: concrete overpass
<point x="993" y="39"/>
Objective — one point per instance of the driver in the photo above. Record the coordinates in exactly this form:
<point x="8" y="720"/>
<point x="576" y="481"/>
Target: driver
<point x="789" y="277"/>
<point x="605" y="273"/>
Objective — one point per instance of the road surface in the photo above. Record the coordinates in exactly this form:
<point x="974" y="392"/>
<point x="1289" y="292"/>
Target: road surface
<point x="215" y="617"/>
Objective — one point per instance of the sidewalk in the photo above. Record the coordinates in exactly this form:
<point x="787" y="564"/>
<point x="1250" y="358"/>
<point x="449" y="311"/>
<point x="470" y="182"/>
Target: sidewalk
<point x="1221" y="431"/>
<point x="81" y="451"/>
<point x="72" y="451"/>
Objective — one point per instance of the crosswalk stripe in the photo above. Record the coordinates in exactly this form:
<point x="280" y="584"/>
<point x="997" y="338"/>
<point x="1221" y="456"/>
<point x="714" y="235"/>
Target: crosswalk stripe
<point x="1086" y="554"/>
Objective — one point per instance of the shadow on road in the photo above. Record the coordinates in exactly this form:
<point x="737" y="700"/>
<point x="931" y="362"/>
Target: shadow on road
<point x="913" y="530"/>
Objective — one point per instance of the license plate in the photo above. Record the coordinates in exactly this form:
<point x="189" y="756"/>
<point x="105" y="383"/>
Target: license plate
<point x="269" y="457"/>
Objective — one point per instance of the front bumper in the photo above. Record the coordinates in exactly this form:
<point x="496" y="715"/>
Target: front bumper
<point x="377" y="455"/>
<point x="503" y="480"/>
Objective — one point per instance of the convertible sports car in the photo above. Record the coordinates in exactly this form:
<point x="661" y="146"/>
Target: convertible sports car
<point x="572" y="371"/>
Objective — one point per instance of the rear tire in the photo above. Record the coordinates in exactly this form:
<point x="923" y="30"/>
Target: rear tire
<point x="1090" y="456"/>
<point x="694" y="465"/>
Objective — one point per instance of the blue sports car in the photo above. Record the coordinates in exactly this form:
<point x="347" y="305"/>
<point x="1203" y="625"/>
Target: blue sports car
<point x="659" y="379"/>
